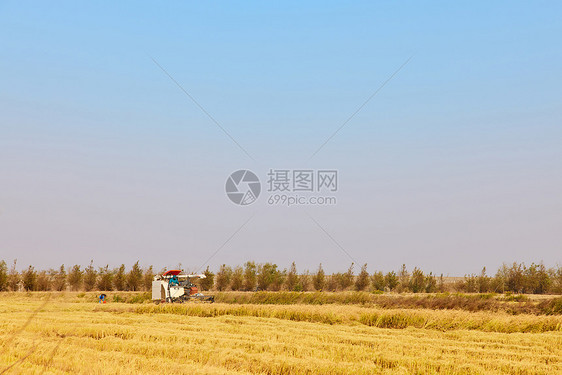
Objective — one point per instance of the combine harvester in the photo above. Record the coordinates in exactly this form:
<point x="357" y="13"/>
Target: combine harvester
<point x="173" y="286"/>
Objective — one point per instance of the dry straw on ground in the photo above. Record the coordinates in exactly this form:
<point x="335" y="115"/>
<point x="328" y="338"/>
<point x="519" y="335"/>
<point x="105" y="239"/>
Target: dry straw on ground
<point x="123" y="338"/>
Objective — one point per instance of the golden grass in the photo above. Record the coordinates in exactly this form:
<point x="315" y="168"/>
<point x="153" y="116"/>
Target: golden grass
<point x="513" y="304"/>
<point x="118" y="338"/>
<point x="371" y="316"/>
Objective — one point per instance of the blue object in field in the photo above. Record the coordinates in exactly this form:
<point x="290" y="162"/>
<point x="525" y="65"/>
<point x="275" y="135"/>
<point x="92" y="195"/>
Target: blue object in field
<point x="174" y="281"/>
<point x="102" y="298"/>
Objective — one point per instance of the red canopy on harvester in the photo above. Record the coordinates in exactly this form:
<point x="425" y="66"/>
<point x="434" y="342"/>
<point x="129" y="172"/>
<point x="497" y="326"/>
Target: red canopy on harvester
<point x="171" y="273"/>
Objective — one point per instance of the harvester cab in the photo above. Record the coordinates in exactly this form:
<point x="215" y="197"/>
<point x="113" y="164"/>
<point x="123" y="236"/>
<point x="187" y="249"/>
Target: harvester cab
<point x="173" y="286"/>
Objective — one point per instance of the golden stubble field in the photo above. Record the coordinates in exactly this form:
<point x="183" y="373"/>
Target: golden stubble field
<point x="76" y="335"/>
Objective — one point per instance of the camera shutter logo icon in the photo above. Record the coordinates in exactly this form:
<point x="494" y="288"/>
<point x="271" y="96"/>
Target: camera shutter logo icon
<point x="243" y="187"/>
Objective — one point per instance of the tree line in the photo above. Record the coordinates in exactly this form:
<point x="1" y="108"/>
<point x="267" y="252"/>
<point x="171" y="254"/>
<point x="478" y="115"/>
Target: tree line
<point x="516" y="278"/>
<point x="76" y="278"/>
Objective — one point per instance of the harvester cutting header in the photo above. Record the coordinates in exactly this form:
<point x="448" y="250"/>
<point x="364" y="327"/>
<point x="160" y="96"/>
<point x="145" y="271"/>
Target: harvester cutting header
<point x="173" y="286"/>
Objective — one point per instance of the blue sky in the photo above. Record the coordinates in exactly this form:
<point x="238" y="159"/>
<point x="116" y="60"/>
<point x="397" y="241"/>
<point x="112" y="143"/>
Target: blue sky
<point x="453" y="165"/>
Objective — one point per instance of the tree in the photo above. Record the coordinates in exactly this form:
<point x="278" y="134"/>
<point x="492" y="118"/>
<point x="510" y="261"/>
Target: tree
<point x="483" y="282"/>
<point x="3" y="276"/>
<point x="105" y="279"/>
<point x="556" y="278"/>
<point x="43" y="281"/>
<point x="417" y="282"/>
<point x="304" y="283"/>
<point x="29" y="279"/>
<point x="516" y="278"/>
<point x="250" y="276"/>
<point x="209" y="280"/>
<point x="223" y="277"/>
<point x="332" y="282"/>
<point x="119" y="278"/>
<point x="134" y="277"/>
<point x="538" y="279"/>
<point x="147" y="278"/>
<point x="278" y="279"/>
<point x="441" y="285"/>
<point x="59" y="279"/>
<point x="292" y="277"/>
<point x="319" y="279"/>
<point x="378" y="281"/>
<point x="75" y="277"/>
<point x="346" y="279"/>
<point x="237" y="279"/>
<point x="90" y="277"/>
<point x="267" y="275"/>
<point x="430" y="283"/>
<point x="336" y="281"/>
<point x="470" y="284"/>
<point x="13" y="277"/>
<point x="403" y="279"/>
<point x="499" y="283"/>
<point x="362" y="281"/>
<point x="391" y="280"/>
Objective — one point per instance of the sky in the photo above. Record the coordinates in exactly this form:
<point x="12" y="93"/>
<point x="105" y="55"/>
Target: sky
<point x="121" y="123"/>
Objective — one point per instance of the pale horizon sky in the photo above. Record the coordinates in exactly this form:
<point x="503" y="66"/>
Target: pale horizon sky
<point x="455" y="164"/>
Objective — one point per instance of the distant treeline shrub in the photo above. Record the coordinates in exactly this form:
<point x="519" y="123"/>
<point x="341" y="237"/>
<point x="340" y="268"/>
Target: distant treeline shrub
<point x="516" y="278"/>
<point x="76" y="278"/>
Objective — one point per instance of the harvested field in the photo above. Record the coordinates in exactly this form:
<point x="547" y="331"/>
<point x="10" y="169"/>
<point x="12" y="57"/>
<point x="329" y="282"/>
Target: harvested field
<point x="71" y="334"/>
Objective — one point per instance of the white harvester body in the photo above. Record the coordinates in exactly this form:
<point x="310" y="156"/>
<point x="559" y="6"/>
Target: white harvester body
<point x="173" y="286"/>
